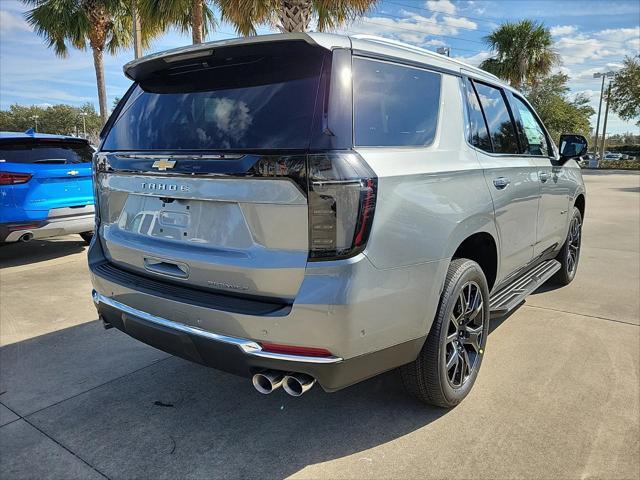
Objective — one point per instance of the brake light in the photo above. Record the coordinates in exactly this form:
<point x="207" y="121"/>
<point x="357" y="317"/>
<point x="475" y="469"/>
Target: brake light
<point x="342" y="201"/>
<point x="295" y="350"/>
<point x="11" y="178"/>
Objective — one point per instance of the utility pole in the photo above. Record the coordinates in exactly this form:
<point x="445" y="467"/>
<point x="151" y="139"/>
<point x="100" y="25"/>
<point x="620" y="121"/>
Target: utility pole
<point x="84" y="123"/>
<point x="606" y="114"/>
<point x="137" y="40"/>
<point x="603" y="76"/>
<point x="35" y="117"/>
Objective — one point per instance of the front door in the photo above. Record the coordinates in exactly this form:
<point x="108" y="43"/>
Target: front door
<point x="555" y="184"/>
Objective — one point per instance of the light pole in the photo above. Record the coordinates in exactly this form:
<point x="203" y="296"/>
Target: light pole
<point x="35" y="117"/>
<point x="84" y="124"/>
<point x="599" y="75"/>
<point x="606" y="114"/>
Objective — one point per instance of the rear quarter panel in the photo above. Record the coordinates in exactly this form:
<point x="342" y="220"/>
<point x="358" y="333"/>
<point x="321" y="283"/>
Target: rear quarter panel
<point x="430" y="199"/>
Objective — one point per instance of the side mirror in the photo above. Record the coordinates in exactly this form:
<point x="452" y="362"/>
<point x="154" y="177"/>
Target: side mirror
<point x="572" y="146"/>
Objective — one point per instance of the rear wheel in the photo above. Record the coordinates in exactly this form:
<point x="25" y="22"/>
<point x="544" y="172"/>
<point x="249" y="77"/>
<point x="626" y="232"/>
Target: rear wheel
<point x="87" y="236"/>
<point x="447" y="367"/>
<point x="569" y="255"/>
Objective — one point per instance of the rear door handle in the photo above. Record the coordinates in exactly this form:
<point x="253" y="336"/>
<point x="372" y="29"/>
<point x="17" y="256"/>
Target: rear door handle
<point x="544" y="176"/>
<point x="501" y="182"/>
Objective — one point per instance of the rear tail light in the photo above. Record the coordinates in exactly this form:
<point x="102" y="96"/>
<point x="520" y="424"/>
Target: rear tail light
<point x="342" y="201"/>
<point x="11" y="178"/>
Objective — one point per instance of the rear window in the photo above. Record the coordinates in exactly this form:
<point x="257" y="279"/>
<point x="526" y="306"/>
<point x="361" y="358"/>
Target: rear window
<point x="394" y="105"/>
<point x="33" y="152"/>
<point x="251" y="101"/>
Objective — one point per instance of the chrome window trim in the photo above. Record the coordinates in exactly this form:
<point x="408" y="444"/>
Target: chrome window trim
<point x="248" y="347"/>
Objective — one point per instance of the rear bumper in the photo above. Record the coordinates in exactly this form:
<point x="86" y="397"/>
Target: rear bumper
<point x="370" y="320"/>
<point x="61" y="221"/>
<point x="242" y="356"/>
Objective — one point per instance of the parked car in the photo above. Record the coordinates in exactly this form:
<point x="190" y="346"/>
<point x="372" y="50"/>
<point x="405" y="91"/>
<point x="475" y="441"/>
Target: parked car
<point x="305" y="208"/>
<point x="45" y="187"/>
<point x="612" y="156"/>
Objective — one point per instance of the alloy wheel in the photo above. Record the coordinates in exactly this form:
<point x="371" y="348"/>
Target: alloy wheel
<point x="465" y="334"/>
<point x="573" y="242"/>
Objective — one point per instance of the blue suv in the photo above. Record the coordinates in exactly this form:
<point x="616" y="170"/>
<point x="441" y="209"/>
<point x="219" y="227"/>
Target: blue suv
<point x="45" y="187"/>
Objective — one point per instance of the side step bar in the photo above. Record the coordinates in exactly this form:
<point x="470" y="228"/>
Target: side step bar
<point x="511" y="295"/>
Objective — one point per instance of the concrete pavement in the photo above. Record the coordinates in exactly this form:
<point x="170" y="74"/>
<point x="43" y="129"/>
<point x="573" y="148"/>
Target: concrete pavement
<point x="557" y="396"/>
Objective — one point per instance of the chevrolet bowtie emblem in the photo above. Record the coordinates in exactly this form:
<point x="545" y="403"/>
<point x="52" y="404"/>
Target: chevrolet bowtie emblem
<point x="163" y="164"/>
<point x="73" y="172"/>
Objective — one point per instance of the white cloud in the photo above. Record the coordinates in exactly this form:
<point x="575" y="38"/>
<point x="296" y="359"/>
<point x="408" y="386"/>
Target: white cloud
<point x="476" y="59"/>
<point x="435" y="43"/>
<point x="411" y="27"/>
<point x="444" y="6"/>
<point x="559" y="30"/>
<point x="12" y="22"/>
<point x="579" y="48"/>
<point x="460" y="22"/>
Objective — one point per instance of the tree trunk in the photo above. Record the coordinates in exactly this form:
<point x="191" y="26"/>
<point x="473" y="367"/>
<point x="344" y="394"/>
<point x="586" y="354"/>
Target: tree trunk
<point x="137" y="31"/>
<point x="294" y="15"/>
<point x="197" y="29"/>
<point x="98" y="63"/>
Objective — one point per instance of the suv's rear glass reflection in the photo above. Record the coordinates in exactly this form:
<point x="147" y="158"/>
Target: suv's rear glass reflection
<point x="261" y="101"/>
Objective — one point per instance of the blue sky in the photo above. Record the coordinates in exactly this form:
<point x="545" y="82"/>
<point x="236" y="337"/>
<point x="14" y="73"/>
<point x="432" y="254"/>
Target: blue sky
<point x="590" y="36"/>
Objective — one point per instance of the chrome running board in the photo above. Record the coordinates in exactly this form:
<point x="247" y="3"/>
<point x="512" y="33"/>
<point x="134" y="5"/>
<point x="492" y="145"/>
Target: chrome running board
<point x="512" y="295"/>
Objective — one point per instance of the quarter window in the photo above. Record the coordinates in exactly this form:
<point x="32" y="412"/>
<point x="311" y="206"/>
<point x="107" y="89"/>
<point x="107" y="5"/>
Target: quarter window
<point x="533" y="131"/>
<point x="394" y="105"/>
<point x="501" y="129"/>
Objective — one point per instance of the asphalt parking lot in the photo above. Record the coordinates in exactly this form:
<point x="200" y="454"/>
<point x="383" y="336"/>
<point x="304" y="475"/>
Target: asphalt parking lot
<point x="557" y="396"/>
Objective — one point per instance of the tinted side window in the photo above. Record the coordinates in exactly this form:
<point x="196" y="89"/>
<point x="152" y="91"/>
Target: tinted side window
<point x="536" y="140"/>
<point x="394" y="105"/>
<point x="503" y="134"/>
<point x="479" y="136"/>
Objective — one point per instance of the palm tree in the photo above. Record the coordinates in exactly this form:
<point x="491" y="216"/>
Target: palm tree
<point x="187" y="15"/>
<point x="103" y="25"/>
<point x="522" y="52"/>
<point x="291" y="15"/>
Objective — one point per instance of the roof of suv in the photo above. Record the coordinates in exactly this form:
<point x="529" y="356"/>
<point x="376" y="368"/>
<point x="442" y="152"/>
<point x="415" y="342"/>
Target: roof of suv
<point x="39" y="136"/>
<point x="363" y="43"/>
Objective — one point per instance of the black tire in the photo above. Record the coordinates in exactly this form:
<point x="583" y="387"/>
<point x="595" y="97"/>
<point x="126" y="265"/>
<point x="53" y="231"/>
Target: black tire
<point x="428" y="377"/>
<point x="87" y="236"/>
<point x="569" y="254"/>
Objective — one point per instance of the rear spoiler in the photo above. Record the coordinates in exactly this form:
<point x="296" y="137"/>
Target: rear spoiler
<point x="139" y="69"/>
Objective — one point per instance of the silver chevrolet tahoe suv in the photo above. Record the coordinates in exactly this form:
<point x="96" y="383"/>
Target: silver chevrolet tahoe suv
<point x="305" y="208"/>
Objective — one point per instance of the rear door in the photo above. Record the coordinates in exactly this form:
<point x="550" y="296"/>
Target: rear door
<point x="60" y="173"/>
<point x="511" y="177"/>
<point x="202" y="177"/>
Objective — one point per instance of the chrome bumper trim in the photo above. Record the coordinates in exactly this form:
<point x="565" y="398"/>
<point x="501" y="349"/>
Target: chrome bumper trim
<point x="248" y="347"/>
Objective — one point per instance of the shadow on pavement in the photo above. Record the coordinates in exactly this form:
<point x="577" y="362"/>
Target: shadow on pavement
<point x="174" y="419"/>
<point x="16" y="254"/>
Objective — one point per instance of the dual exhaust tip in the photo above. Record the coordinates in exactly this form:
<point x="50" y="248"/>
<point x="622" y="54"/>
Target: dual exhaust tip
<point x="295" y="384"/>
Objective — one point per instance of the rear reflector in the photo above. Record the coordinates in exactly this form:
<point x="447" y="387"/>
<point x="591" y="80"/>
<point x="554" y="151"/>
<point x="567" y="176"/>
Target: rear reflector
<point x="11" y="178"/>
<point x="23" y="226"/>
<point x="295" y="350"/>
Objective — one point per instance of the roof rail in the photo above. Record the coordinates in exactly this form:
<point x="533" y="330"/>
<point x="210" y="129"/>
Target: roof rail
<point x="424" y="51"/>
